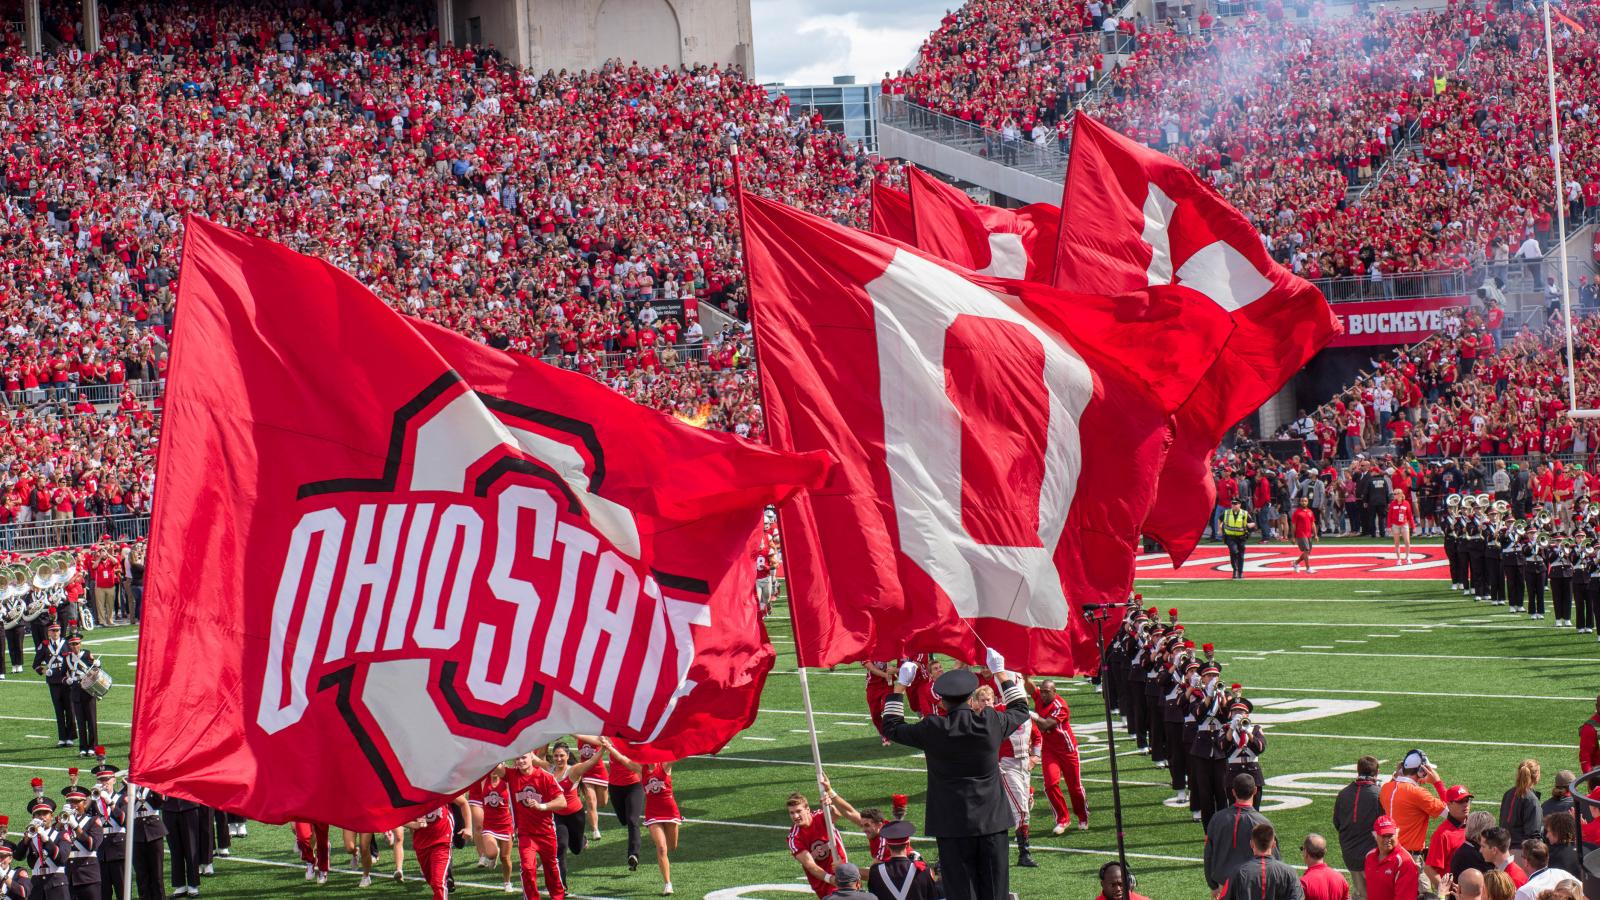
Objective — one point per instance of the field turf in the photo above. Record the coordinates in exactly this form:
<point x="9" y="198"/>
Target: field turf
<point x="1344" y="667"/>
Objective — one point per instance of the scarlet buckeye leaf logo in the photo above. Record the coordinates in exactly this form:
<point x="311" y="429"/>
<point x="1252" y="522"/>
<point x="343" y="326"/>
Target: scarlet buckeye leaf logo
<point x="477" y="598"/>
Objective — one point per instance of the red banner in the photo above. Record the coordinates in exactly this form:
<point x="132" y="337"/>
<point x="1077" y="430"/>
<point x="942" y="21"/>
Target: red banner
<point x="386" y="557"/>
<point x="1379" y="322"/>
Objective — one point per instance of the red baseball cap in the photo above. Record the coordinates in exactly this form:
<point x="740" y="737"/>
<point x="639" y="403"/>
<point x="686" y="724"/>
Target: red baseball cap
<point x="1385" y="825"/>
<point x="1456" y="794"/>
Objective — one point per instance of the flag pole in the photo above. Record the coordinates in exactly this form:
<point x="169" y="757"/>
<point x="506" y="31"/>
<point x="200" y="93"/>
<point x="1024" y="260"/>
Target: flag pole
<point x="1561" y="206"/>
<point x="128" y="823"/>
<point x="761" y="394"/>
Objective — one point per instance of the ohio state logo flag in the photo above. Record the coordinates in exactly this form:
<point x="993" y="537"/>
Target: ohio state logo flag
<point x="386" y="557"/>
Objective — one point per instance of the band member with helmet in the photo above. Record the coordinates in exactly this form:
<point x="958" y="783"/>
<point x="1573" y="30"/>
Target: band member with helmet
<point x="84" y="835"/>
<point x="1478" y="586"/>
<point x="899" y="876"/>
<point x="1449" y="528"/>
<point x="50" y="660"/>
<point x="1208" y="782"/>
<point x="966" y="810"/>
<point x="15" y="881"/>
<point x="661" y="813"/>
<point x="431" y="837"/>
<point x="81" y="668"/>
<point x="1534" y="567"/>
<point x="149" y="842"/>
<point x="1243" y="743"/>
<point x="112" y="817"/>
<point x="45" y="849"/>
<point x="569" y="821"/>
<point x="535" y="799"/>
<point x="1560" y="574"/>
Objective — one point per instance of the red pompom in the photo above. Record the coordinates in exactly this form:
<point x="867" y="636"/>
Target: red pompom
<point x="1237" y="686"/>
<point x="1208" y="647"/>
<point x="900" y="799"/>
<point x="73" y="771"/>
<point x="99" y="751"/>
<point x="1152" y="611"/>
<point x="1141" y="596"/>
<point x="37" y="783"/>
<point x="1173" y="612"/>
<point x="1188" y="645"/>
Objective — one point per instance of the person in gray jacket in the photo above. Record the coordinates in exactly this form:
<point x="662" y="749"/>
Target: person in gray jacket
<point x="1354" y="810"/>
<point x="1228" y="835"/>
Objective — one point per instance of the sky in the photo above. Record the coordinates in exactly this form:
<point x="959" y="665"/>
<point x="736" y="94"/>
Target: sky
<point x="810" y="41"/>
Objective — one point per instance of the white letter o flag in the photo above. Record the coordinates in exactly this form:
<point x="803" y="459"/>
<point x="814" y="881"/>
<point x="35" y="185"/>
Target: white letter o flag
<point x="915" y="304"/>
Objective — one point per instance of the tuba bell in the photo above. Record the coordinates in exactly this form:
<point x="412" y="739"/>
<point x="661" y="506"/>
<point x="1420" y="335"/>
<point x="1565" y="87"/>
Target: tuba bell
<point x="1484" y="499"/>
<point x="1453" y="501"/>
<point x="1501" y="507"/>
<point x="1543" y="521"/>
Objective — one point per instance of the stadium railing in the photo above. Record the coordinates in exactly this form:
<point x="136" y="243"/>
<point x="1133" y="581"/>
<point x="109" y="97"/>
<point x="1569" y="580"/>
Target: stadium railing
<point x="46" y="534"/>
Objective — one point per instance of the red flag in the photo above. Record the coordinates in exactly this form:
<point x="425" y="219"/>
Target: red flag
<point x="998" y="440"/>
<point x="1132" y="217"/>
<point x="387" y="557"/>
<point x="1568" y="21"/>
<point x="891" y="213"/>
<point x="1007" y="243"/>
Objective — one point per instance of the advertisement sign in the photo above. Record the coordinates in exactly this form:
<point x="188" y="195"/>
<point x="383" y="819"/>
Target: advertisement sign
<point x="1380" y="322"/>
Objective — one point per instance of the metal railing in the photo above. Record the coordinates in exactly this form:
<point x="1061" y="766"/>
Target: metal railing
<point x="1046" y="159"/>
<point x="1399" y="286"/>
<point x="71" y="392"/>
<point x="46" y="534"/>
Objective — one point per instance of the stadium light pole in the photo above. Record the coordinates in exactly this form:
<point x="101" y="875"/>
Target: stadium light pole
<point x="1099" y="614"/>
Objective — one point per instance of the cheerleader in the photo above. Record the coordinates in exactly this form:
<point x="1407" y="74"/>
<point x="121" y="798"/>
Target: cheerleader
<point x="569" y="821"/>
<point x="596" y="783"/>
<point x="1400" y="520"/>
<point x="661" y="814"/>
<point x="490" y="802"/>
<point x="880" y="678"/>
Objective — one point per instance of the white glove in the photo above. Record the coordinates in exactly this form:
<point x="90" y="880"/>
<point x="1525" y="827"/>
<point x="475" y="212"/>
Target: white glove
<point x="908" y="673"/>
<point x="995" y="661"/>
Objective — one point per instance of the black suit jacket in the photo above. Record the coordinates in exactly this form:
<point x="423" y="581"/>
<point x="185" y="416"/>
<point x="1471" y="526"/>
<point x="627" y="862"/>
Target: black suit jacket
<point x="965" y="797"/>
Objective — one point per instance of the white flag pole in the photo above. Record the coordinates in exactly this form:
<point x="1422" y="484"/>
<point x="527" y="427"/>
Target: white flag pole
<point x="1561" y="206"/>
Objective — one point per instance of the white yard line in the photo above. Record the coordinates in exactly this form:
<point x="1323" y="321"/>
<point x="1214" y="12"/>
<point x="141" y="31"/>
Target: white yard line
<point x="356" y="873"/>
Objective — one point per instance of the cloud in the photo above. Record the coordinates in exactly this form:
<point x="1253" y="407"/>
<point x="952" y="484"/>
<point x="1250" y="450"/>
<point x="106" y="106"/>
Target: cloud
<point x="811" y="41"/>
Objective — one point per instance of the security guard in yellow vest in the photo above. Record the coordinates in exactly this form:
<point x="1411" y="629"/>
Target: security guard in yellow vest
<point x="1236" y="527"/>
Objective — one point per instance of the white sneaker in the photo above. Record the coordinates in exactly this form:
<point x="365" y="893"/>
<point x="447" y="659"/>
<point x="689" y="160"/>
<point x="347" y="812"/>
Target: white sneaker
<point x="1310" y="571"/>
<point x="311" y="871"/>
<point x="510" y="889"/>
<point x="483" y="862"/>
<point x="666" y="889"/>
<point x="207" y="870"/>
<point x="322" y="878"/>
<point x="366" y="881"/>
<point x="1295" y="568"/>
<point x="244" y="830"/>
<point x="1083" y="826"/>
<point x="224" y="852"/>
<point x="233" y="829"/>
<point x="1061" y="828"/>
<point x="595" y="836"/>
<point x="1196" y="816"/>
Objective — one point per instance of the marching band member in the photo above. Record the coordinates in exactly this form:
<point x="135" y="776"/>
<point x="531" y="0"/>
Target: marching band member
<point x="535" y="798"/>
<point x="84" y="834"/>
<point x="1560" y="557"/>
<point x="149" y="841"/>
<point x="1534" y="566"/>
<point x="50" y="660"/>
<point x="15" y="883"/>
<point x="112" y="816"/>
<point x="1450" y="530"/>
<point x="1494" y="553"/>
<point x="1582" y="561"/>
<point x="1211" y="766"/>
<point x="1243" y="743"/>
<point x="431" y="835"/>
<point x="182" y="820"/>
<point x="84" y="705"/>
<point x="45" y="849"/>
<point x="1478" y="584"/>
<point x="661" y="813"/>
<point x="1511" y="561"/>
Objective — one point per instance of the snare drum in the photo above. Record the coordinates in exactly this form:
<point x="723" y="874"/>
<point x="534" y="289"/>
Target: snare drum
<point x="97" y="682"/>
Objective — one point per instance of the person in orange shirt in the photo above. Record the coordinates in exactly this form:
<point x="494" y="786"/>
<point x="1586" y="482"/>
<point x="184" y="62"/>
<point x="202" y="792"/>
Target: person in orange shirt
<point x="1412" y="806"/>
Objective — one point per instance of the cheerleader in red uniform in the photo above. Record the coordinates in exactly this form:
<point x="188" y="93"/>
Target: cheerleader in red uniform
<point x="596" y="783"/>
<point x="661" y="814"/>
<point x="430" y="838"/>
<point x="569" y="821"/>
<point x="1400" y="520"/>
<point x="490" y="800"/>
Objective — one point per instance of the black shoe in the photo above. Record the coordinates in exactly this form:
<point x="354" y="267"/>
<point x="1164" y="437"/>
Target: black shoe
<point x="633" y="863"/>
<point x="1025" y="861"/>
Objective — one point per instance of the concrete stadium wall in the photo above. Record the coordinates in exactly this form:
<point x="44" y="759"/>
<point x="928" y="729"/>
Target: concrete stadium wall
<point x="583" y="34"/>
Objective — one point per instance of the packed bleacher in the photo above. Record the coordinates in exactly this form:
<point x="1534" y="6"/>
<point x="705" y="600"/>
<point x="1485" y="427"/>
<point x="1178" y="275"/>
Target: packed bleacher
<point x="1289" y="117"/>
<point x="582" y="217"/>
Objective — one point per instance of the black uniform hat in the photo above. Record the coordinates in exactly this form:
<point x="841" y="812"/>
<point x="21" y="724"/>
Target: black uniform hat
<point x="897" y="832"/>
<point x="955" y="685"/>
<point x="44" y="803"/>
<point x="75" y="792"/>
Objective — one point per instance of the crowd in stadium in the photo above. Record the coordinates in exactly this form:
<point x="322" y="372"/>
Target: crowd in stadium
<point x="1469" y="189"/>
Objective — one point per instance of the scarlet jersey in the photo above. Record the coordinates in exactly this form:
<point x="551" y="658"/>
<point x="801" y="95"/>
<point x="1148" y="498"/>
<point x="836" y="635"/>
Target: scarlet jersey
<point x="495" y="800"/>
<point x="1400" y="514"/>
<point x="659" y="803"/>
<point x="814" y="839"/>
<point x="619" y="775"/>
<point x="537" y="786"/>
<point x="570" y="791"/>
<point x="1060" y="738"/>
<point x="436" y="831"/>
<point x="878" y="848"/>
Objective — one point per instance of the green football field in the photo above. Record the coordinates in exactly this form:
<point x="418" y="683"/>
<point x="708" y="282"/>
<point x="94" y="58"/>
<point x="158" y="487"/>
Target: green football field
<point x="1337" y="669"/>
